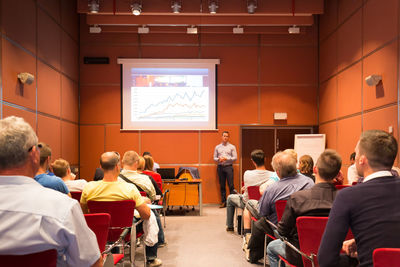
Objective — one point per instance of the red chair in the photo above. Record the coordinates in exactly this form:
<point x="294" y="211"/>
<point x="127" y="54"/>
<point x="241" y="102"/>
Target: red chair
<point x="280" y="208"/>
<point x="121" y="218"/>
<point x="383" y="257"/>
<point x="341" y="186"/>
<point x="47" y="258"/>
<point x="310" y="231"/>
<point x="143" y="194"/>
<point x="254" y="192"/>
<point x="76" y="195"/>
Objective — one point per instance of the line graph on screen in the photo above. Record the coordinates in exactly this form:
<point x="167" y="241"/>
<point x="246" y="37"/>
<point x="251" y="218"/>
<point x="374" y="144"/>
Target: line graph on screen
<point x="170" y="103"/>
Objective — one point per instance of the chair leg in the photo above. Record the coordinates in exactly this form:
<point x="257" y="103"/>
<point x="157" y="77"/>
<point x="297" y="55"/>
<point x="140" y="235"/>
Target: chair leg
<point x="133" y="245"/>
<point x="265" y="248"/>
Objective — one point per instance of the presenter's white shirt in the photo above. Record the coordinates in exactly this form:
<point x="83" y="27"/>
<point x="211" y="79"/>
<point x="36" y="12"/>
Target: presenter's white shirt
<point x="34" y="218"/>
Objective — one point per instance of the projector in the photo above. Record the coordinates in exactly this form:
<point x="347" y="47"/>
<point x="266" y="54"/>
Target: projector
<point x="95" y="29"/>
<point x="143" y="30"/>
<point x="294" y="30"/>
<point x="238" y="30"/>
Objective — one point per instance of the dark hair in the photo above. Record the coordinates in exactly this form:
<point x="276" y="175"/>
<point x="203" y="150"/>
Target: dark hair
<point x="98" y="174"/>
<point x="306" y="165"/>
<point x="329" y="164"/>
<point x="379" y="147"/>
<point x="149" y="163"/>
<point x="353" y="156"/>
<point x="225" y="132"/>
<point x="146" y="153"/>
<point x="45" y="152"/>
<point x="258" y="157"/>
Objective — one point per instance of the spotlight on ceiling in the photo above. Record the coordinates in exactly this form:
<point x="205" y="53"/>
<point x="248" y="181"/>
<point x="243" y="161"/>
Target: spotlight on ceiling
<point x="238" y="30"/>
<point x="251" y="6"/>
<point x="136" y="8"/>
<point x="294" y="30"/>
<point x="213" y="6"/>
<point x="191" y="30"/>
<point x="176" y="7"/>
<point x="94" y="6"/>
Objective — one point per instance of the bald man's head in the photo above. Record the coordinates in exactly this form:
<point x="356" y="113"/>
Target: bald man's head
<point x="108" y="161"/>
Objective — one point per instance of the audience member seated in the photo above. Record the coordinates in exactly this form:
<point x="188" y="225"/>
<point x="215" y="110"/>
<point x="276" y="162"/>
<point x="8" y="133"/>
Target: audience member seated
<point x="290" y="181"/>
<point x="42" y="176"/>
<point x="369" y="209"/>
<point x="254" y="177"/>
<point x="306" y="165"/>
<point x="140" y="170"/>
<point x="62" y="169"/>
<point x="156" y="165"/>
<point x="130" y="163"/>
<point x="35" y="218"/>
<point x="111" y="189"/>
<point x="316" y="201"/>
<point x="352" y="175"/>
<point x="98" y="174"/>
<point x="148" y="169"/>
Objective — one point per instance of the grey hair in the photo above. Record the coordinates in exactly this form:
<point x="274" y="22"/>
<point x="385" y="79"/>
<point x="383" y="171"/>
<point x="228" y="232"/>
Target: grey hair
<point x="130" y="158"/>
<point x="16" y="138"/>
<point x="285" y="164"/>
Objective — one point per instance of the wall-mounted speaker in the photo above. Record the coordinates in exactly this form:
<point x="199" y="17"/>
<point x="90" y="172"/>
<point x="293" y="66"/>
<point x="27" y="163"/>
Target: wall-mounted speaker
<point x="96" y="60"/>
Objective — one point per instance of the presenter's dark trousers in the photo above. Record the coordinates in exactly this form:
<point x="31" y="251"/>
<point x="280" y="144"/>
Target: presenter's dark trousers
<point x="225" y="172"/>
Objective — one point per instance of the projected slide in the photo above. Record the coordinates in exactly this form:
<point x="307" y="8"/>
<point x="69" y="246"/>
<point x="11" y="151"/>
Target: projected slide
<point x="169" y="103"/>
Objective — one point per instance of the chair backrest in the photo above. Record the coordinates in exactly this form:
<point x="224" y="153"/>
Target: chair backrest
<point x="341" y="186"/>
<point x="165" y="200"/>
<point x="254" y="192"/>
<point x="310" y="231"/>
<point x="99" y="224"/>
<point x="280" y="208"/>
<point x="121" y="214"/>
<point x="47" y="258"/>
<point x="353" y="183"/>
<point x="383" y="257"/>
<point x="143" y="193"/>
<point x="76" y="195"/>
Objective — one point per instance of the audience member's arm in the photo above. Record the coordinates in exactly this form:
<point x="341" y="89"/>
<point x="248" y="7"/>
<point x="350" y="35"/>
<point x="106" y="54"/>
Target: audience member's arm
<point x="98" y="263"/>
<point x="144" y="211"/>
<point x="83" y="203"/>
<point x="69" y="194"/>
<point x="335" y="232"/>
<point x="264" y="204"/>
<point x="350" y="248"/>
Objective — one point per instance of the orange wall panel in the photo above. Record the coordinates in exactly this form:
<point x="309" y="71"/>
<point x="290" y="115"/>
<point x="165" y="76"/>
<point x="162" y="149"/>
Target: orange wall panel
<point x="69" y="18"/>
<point x="169" y="52"/>
<point x="19" y="24"/>
<point x="328" y="100"/>
<point x="49" y="132"/>
<point x="115" y="140"/>
<point x="381" y="120"/>
<point x="177" y="147"/>
<point x="380" y="23"/>
<point x="91" y="147"/>
<point x="211" y="192"/>
<point x="328" y="21"/>
<point x="346" y="8"/>
<point x="170" y="38"/>
<point x="237" y="104"/>
<point x="298" y="102"/>
<point x="49" y="40"/>
<point x="28" y="116"/>
<point x="349" y="91"/>
<point x="100" y="104"/>
<point x="52" y="7"/>
<point x="69" y="139"/>
<point x="229" y="39"/>
<point x="69" y="56"/>
<point x="70" y="99"/>
<point x="382" y="62"/>
<point x="348" y="133"/>
<point x="328" y="57"/>
<point x="49" y="90"/>
<point x="329" y="129"/>
<point x="16" y="61"/>
<point x="238" y="64"/>
<point x="282" y="65"/>
<point x="349" y="41"/>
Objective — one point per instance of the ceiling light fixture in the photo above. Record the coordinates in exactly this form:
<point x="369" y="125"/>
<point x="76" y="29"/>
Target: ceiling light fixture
<point x="294" y="30"/>
<point x="136" y="8"/>
<point x="251" y="6"/>
<point x="191" y="30"/>
<point x="212" y="7"/>
<point x="176" y="7"/>
<point x="94" y="6"/>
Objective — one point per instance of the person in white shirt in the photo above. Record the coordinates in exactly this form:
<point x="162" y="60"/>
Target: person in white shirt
<point x="255" y="177"/>
<point x="62" y="169"/>
<point x="352" y="175"/>
<point x="34" y="218"/>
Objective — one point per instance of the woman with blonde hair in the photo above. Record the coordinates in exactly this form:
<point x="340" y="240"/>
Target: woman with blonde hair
<point x="306" y="165"/>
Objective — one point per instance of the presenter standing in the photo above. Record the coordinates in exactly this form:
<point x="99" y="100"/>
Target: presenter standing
<point x="225" y="154"/>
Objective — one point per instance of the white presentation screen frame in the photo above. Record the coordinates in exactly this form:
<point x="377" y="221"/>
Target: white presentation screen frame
<point x="309" y="144"/>
<point x="185" y="99"/>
